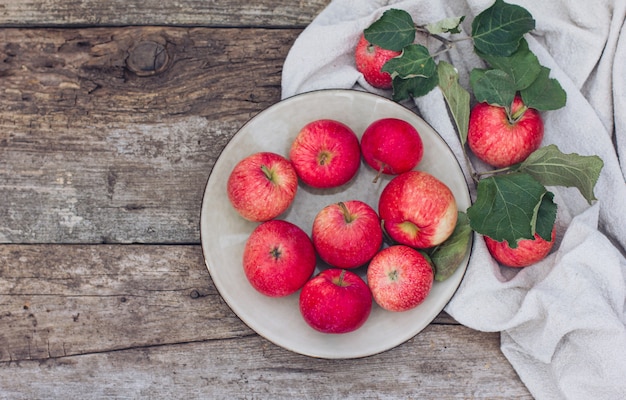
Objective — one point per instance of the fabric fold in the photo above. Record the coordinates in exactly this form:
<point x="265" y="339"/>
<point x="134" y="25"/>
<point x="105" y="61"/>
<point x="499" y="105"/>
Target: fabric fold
<point x="562" y="320"/>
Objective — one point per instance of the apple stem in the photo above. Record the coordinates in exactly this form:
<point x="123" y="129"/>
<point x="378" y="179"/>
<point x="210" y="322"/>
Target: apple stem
<point x="379" y="173"/>
<point x="514" y="117"/>
<point x="266" y="171"/>
<point x="347" y="216"/>
<point x="341" y="277"/>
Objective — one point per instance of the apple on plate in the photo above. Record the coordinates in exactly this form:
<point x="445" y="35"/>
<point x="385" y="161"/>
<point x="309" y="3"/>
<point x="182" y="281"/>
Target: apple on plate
<point x="325" y="153"/>
<point x="370" y="59"/>
<point x="262" y="186"/>
<point x="335" y="301"/>
<point x="278" y="258"/>
<point x="347" y="234"/>
<point x="500" y="140"/>
<point x="391" y="146"/>
<point x="417" y="210"/>
<point x="400" y="278"/>
<point x="527" y="252"/>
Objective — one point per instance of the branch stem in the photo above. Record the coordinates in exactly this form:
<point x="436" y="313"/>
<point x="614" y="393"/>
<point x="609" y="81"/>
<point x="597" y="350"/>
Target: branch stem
<point x="492" y="172"/>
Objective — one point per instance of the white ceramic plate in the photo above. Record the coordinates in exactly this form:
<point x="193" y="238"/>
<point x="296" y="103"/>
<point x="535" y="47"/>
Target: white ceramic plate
<point x="224" y="232"/>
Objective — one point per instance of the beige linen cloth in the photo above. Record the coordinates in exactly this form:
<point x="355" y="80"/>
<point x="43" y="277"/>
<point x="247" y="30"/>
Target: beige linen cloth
<point x="562" y="321"/>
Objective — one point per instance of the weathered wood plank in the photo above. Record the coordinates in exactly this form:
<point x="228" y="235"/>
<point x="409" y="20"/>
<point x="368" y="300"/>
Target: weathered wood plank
<point x="139" y="74"/>
<point x="156" y="12"/>
<point x="107" y="135"/>
<point x="63" y="300"/>
<point x="443" y="362"/>
<point x="92" y="152"/>
<point x="66" y="300"/>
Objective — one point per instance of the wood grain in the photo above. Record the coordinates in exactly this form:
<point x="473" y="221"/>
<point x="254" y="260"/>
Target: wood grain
<point x="90" y="152"/>
<point x="112" y="115"/>
<point x="65" y="300"/>
<point x="440" y="363"/>
<point x="128" y="321"/>
<point x="276" y="13"/>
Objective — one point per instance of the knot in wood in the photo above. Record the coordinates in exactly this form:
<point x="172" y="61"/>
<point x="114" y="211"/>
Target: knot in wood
<point x="147" y="58"/>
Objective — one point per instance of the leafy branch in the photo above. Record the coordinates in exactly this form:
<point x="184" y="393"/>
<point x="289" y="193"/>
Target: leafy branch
<point x="512" y="203"/>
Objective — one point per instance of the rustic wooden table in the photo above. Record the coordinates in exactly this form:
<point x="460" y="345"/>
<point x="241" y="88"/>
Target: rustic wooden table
<point x="112" y="114"/>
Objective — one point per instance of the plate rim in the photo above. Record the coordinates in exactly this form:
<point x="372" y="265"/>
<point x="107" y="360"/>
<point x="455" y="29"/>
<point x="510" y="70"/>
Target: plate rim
<point x="356" y="92"/>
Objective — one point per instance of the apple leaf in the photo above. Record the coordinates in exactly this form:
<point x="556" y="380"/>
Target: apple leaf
<point x="413" y="87"/>
<point x="447" y="25"/>
<point x="544" y="93"/>
<point x="499" y="29"/>
<point x="507" y="207"/>
<point x="551" y="167"/>
<point x="415" y="61"/>
<point x="457" y="98"/>
<point x="522" y="66"/>
<point x="448" y="256"/>
<point x="394" y="30"/>
<point x="546" y="215"/>
<point x="493" y="86"/>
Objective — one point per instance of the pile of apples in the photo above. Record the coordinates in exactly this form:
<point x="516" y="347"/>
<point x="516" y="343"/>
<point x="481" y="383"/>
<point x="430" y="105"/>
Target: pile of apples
<point x="492" y="137"/>
<point x="415" y="210"/>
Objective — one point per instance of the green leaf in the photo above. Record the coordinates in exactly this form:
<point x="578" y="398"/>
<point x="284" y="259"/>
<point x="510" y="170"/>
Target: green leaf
<point x="393" y="30"/>
<point x="546" y="216"/>
<point x="551" y="167"/>
<point x="447" y="25"/>
<point x="507" y="207"/>
<point x="415" y="61"/>
<point x="499" y="29"/>
<point x="522" y="66"/>
<point x="544" y="93"/>
<point x="404" y="89"/>
<point x="457" y="98"/>
<point x="448" y="256"/>
<point x="493" y="86"/>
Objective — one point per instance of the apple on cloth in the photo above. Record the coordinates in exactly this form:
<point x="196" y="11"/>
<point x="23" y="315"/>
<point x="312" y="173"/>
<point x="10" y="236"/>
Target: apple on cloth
<point x="562" y="319"/>
<point x="370" y="60"/>
<point x="499" y="142"/>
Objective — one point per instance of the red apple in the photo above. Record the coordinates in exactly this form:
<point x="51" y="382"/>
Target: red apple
<point x="391" y="146"/>
<point x="325" y="153"/>
<point x="347" y="234"/>
<point x="400" y="278"/>
<point x="278" y="258"/>
<point x="370" y="59"/>
<point x="335" y="301"/>
<point x="417" y="210"/>
<point x="527" y="252"/>
<point x="502" y="142"/>
<point x="262" y="186"/>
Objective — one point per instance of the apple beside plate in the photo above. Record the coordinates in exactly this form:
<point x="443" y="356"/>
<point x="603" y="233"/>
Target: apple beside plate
<point x="224" y="232"/>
